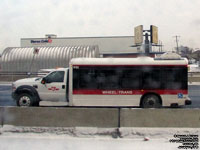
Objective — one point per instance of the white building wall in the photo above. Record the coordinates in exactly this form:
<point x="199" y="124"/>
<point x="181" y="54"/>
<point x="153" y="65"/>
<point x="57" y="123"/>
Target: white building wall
<point x="115" y="44"/>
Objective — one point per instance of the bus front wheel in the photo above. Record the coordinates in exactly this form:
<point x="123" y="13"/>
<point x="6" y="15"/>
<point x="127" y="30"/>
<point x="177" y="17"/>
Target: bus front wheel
<point x="25" y="100"/>
<point x="151" y="101"/>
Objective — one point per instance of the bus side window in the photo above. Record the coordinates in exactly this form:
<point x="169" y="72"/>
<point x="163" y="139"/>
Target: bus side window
<point x="184" y="76"/>
<point x="131" y="79"/>
<point x="87" y="79"/>
<point x="75" y="78"/>
<point x="108" y="79"/>
<point x="152" y="79"/>
<point x="174" y="78"/>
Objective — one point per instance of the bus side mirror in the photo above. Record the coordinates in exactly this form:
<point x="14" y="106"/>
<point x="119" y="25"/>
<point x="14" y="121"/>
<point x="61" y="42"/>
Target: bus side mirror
<point x="44" y="80"/>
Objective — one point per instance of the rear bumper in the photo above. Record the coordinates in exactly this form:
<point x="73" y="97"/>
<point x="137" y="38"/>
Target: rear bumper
<point x="182" y="103"/>
<point x="188" y="101"/>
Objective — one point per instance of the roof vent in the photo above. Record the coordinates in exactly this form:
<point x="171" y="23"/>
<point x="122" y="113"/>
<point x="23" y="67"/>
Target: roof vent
<point x="169" y="56"/>
<point x="49" y="36"/>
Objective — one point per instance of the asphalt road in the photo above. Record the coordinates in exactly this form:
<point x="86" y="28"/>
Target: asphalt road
<point x="5" y="95"/>
<point x="6" y="99"/>
<point x="194" y="94"/>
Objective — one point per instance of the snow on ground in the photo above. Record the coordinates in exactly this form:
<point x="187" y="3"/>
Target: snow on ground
<point x="194" y="68"/>
<point x="81" y="138"/>
<point x="66" y="143"/>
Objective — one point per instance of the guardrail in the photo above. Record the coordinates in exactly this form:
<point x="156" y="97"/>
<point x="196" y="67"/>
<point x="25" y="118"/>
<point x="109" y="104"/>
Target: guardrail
<point x="193" y="77"/>
<point x="192" y="74"/>
<point x="23" y="73"/>
<point x="13" y="76"/>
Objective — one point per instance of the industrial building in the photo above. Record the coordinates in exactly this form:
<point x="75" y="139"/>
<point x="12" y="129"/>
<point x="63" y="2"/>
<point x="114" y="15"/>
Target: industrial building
<point x="55" y="51"/>
<point x="110" y="44"/>
<point x="29" y="59"/>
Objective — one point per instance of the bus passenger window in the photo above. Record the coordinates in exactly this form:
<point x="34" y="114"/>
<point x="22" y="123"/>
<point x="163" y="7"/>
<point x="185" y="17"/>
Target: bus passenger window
<point x="173" y="78"/>
<point x="152" y="79"/>
<point x="87" y="79"/>
<point x="108" y="79"/>
<point x="131" y="79"/>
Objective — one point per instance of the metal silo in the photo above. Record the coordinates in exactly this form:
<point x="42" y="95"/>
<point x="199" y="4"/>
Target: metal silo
<point x="23" y="59"/>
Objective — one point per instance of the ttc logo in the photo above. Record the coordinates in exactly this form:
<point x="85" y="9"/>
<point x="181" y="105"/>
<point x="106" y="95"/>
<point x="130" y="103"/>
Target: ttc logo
<point x="49" y="40"/>
<point x="53" y="89"/>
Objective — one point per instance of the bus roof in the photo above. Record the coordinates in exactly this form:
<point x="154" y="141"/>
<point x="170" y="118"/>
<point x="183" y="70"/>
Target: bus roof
<point x="126" y="61"/>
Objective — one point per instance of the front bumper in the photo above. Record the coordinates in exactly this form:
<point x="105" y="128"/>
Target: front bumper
<point x="14" y="95"/>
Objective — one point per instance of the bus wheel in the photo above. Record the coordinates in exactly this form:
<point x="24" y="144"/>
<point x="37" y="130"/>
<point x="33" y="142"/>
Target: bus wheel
<point x="37" y="103"/>
<point x="25" y="100"/>
<point x="151" y="101"/>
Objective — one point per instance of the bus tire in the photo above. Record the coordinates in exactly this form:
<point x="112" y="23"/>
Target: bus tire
<point x="25" y="100"/>
<point x="151" y="101"/>
<point x="36" y="103"/>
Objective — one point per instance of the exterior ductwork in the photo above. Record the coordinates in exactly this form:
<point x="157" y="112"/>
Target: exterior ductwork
<point x="20" y="59"/>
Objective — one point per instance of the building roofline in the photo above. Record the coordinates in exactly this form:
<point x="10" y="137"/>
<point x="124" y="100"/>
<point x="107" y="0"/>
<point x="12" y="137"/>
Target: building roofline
<point x="81" y="37"/>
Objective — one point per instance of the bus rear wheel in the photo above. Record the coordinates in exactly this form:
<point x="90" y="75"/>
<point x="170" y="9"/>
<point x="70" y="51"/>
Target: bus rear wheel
<point x="151" y="101"/>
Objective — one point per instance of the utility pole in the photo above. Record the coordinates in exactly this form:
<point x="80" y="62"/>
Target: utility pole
<point x="160" y="46"/>
<point x="177" y="50"/>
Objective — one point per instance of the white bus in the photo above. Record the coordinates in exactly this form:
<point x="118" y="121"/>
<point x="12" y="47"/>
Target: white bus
<point x="143" y="81"/>
<point x="110" y="82"/>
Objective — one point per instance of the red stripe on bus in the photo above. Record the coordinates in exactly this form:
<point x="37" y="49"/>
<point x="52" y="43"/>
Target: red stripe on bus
<point x="130" y="65"/>
<point x="128" y="92"/>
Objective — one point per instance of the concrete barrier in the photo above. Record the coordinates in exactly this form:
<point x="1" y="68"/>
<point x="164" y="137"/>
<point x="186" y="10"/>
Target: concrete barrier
<point x="189" y="118"/>
<point x="61" y="117"/>
<point x="99" y="117"/>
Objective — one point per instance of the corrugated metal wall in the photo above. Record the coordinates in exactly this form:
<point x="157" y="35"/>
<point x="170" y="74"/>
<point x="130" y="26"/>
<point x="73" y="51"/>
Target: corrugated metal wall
<point x="24" y="59"/>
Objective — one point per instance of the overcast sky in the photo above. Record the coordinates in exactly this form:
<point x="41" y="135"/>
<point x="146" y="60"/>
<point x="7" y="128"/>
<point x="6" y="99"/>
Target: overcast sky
<point x="69" y="18"/>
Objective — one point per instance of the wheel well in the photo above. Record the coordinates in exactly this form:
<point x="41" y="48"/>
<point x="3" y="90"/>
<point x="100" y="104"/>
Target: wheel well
<point x="29" y="91"/>
<point x="24" y="91"/>
<point x="150" y="93"/>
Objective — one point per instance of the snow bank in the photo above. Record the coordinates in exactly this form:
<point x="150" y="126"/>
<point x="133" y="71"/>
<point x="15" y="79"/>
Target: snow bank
<point x="136" y="133"/>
